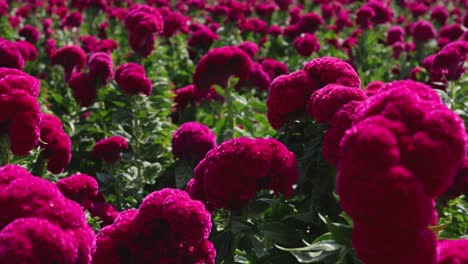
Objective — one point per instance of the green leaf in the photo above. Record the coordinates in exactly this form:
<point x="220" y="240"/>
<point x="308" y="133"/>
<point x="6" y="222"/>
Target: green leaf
<point x="224" y="242"/>
<point x="183" y="173"/>
<point x="280" y="233"/>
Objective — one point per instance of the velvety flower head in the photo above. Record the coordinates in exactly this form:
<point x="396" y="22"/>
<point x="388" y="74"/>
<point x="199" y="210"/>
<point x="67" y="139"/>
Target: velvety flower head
<point x="192" y="141"/>
<point x="70" y="58"/>
<point x="249" y="47"/>
<point x="80" y="188"/>
<point x="451" y="32"/>
<point x="106" y="212"/>
<point x="50" y="46"/>
<point x="62" y="222"/>
<point x="395" y="34"/>
<point x="265" y="9"/>
<point x="364" y="16"/>
<point x="27" y="50"/>
<point x="308" y="23"/>
<point x="221" y="183"/>
<point x="10" y="56"/>
<point x="373" y="87"/>
<point x="423" y="31"/>
<point x="183" y="97"/>
<point x="73" y="19"/>
<point x="13" y="79"/>
<point x="439" y="14"/>
<point x="131" y="78"/>
<point x="55" y="142"/>
<point x="259" y="77"/>
<point x="173" y="22"/>
<point x="382" y="12"/>
<point x="11" y="172"/>
<point x="217" y="67"/>
<point x="342" y="20"/>
<point x="83" y="88"/>
<point x="88" y="42"/>
<point x="283" y="4"/>
<point x="417" y="9"/>
<point x="449" y="61"/>
<point x="100" y="67"/>
<point x="306" y="44"/>
<point x="30" y="33"/>
<point x="452" y="251"/>
<point x="168" y="227"/>
<point x="109" y="149"/>
<point x="202" y="39"/>
<point x="274" y="68"/>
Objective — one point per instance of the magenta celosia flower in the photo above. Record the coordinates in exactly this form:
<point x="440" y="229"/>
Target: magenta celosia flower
<point x="452" y="251"/>
<point x="274" y="68"/>
<point x="192" y="141"/>
<point x="249" y="47"/>
<point x="10" y="56"/>
<point x="439" y="14"/>
<point x="265" y="9"/>
<point x="259" y="77"/>
<point x="56" y="144"/>
<point x="217" y="67"/>
<point x="283" y="4"/>
<point x="30" y="33"/>
<point x="50" y="46"/>
<point x="342" y="20"/>
<point x="449" y="61"/>
<point x="70" y="58"/>
<point x="308" y="23"/>
<point x="142" y="22"/>
<point x="88" y="42"/>
<point x="73" y="19"/>
<point x="28" y="51"/>
<point x="80" y="188"/>
<point x="84" y="90"/>
<point x="451" y="32"/>
<point x="11" y="172"/>
<point x="13" y="79"/>
<point x="202" y="39"/>
<point x="109" y="149"/>
<point x="255" y="25"/>
<point x="395" y="34"/>
<point x="460" y="183"/>
<point x="131" y="78"/>
<point x="306" y="44"/>
<point x="183" y="97"/>
<point x="423" y="31"/>
<point x="106" y="212"/>
<point x="382" y="12"/>
<point x="28" y="197"/>
<point x="168" y="227"/>
<point x="100" y="67"/>
<point x="221" y="183"/>
<point x="364" y="16"/>
<point x="173" y="22"/>
<point x="373" y="87"/>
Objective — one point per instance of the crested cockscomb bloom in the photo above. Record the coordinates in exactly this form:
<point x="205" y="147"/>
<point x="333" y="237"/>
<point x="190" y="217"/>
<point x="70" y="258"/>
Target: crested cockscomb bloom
<point x="10" y="56"/>
<point x="423" y="31"/>
<point x="373" y="87"/>
<point x="142" y="22"/>
<point x="220" y="182"/>
<point x="364" y="16"/>
<point x="88" y="42"/>
<point x="382" y="12"/>
<point x="131" y="78"/>
<point x="452" y="251"/>
<point x="449" y="61"/>
<point x="402" y="151"/>
<point x="255" y="25"/>
<point x="83" y="89"/>
<point x="395" y="34"/>
<point x="80" y="188"/>
<point x="183" y="97"/>
<point x="451" y="32"/>
<point x="265" y="9"/>
<point x="173" y="22"/>
<point x="36" y="215"/>
<point x="100" y="66"/>
<point x="249" y="47"/>
<point x="109" y="149"/>
<point x="308" y="23"/>
<point x="50" y="46"/>
<point x="202" y="39"/>
<point x="306" y="44"/>
<point x="27" y="50"/>
<point x="56" y="144"/>
<point x="217" y="67"/>
<point x="342" y="20"/>
<point x="274" y="30"/>
<point x="47" y="27"/>
<point x="167" y="227"/>
<point x="439" y="14"/>
<point x="73" y="19"/>
<point x="274" y="68"/>
<point x="192" y="141"/>
<point x="30" y="33"/>
<point x="20" y="111"/>
<point x="70" y="58"/>
<point x="259" y="78"/>
<point x="297" y="87"/>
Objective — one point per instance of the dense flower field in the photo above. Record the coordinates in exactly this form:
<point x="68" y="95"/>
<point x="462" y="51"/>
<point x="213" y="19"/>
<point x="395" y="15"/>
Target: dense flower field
<point x="232" y="131"/>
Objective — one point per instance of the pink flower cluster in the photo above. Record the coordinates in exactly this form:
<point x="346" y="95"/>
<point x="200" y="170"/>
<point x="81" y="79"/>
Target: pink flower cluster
<point x="230" y="175"/>
<point x="110" y="149"/>
<point x="168" y="227"/>
<point x="38" y="224"/>
<point x="142" y="22"/>
<point x="20" y="113"/>
<point x="192" y="141"/>
<point x="402" y="151"/>
<point x="55" y="143"/>
<point x="131" y="77"/>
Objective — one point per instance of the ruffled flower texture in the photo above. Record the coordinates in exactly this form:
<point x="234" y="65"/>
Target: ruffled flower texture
<point x="327" y="89"/>
<point x="131" y="78"/>
<point x="192" y="141"/>
<point x="218" y="65"/>
<point x="71" y="58"/>
<point x="10" y="55"/>
<point x="168" y="227"/>
<point x="142" y="23"/>
<point x="20" y="113"/>
<point x="80" y="188"/>
<point x="109" y="149"/>
<point x="38" y="224"/>
<point x="230" y="175"/>
<point x="83" y="88"/>
<point x="56" y="143"/>
<point x="402" y="151"/>
<point x="101" y="67"/>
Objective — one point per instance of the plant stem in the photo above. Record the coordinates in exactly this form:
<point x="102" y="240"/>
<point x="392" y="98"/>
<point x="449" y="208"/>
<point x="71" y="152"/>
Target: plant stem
<point x="118" y="194"/>
<point x="137" y="129"/>
<point x="4" y="146"/>
<point x="230" y="120"/>
<point x="39" y="166"/>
